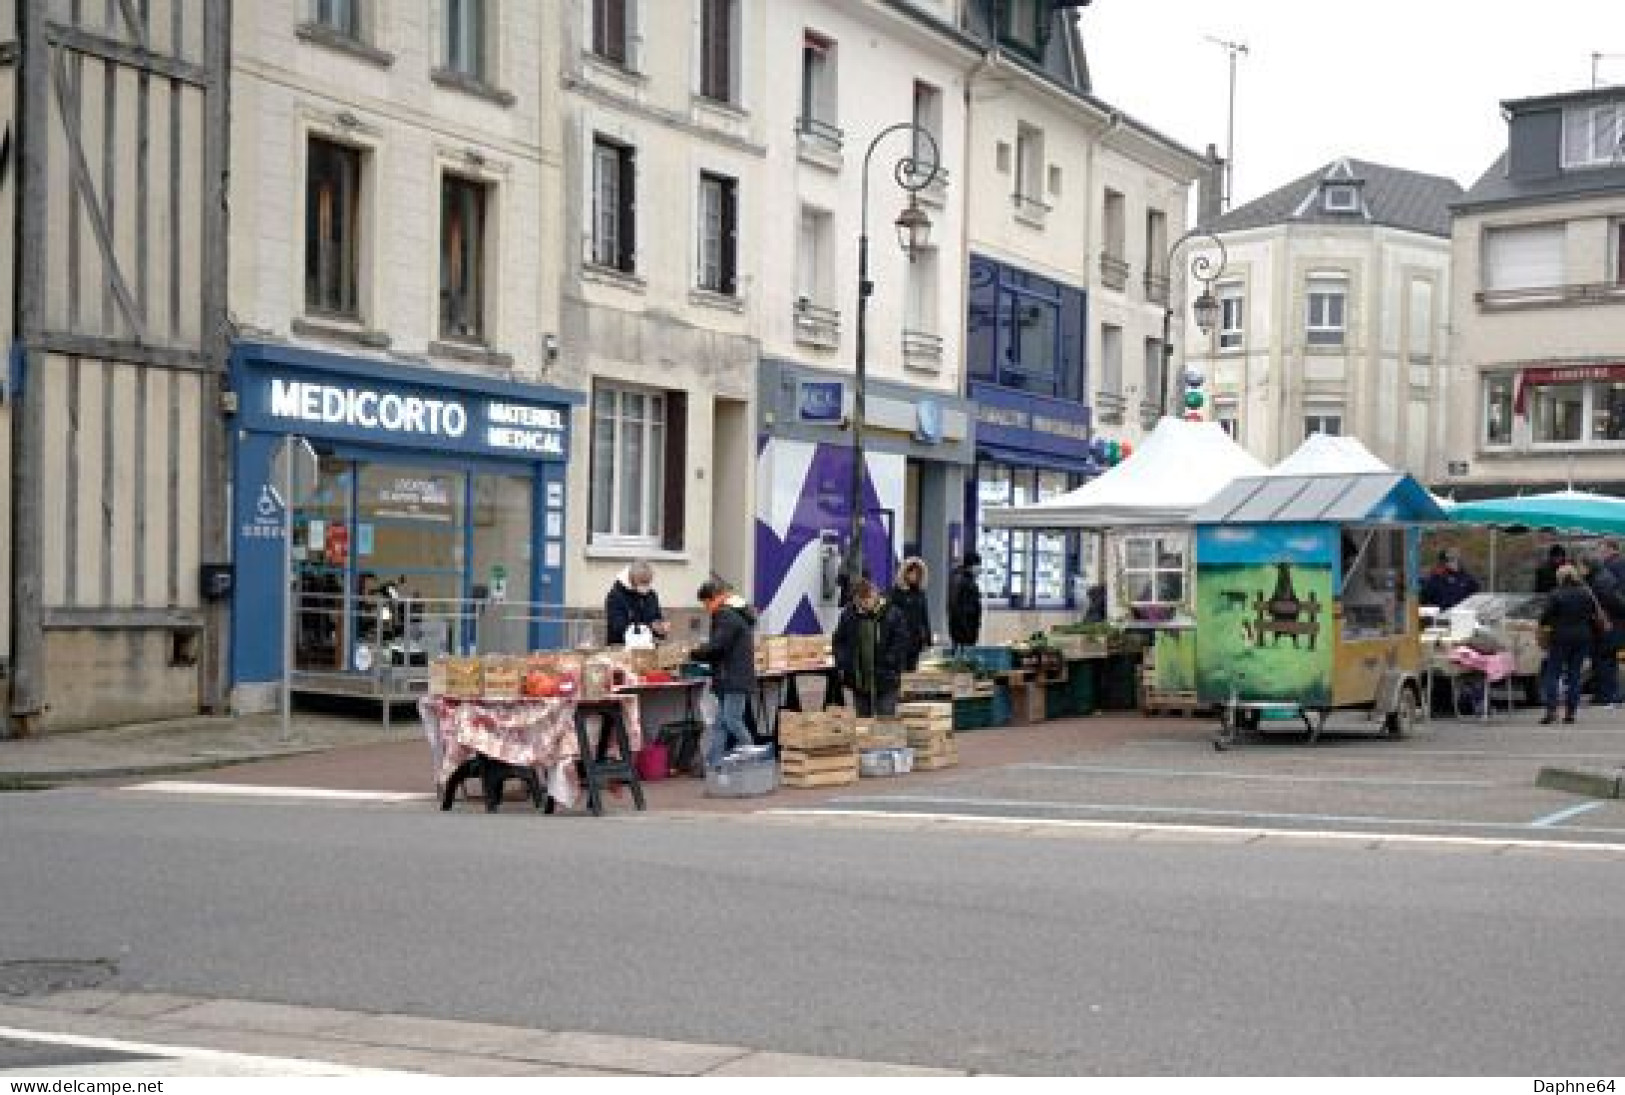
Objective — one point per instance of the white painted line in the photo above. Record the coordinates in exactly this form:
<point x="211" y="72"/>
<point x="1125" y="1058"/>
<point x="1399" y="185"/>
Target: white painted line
<point x="1563" y="815"/>
<point x="193" y="1053"/>
<point x="880" y="801"/>
<point x="1209" y="774"/>
<point x="1203" y="830"/>
<point x="180" y="787"/>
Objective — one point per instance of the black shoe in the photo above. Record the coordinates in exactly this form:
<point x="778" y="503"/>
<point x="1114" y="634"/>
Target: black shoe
<point x="1568" y="718"/>
<point x="1548" y="718"/>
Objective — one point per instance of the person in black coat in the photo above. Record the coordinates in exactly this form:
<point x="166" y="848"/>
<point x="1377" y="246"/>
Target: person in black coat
<point x="1449" y="584"/>
<point x="909" y="597"/>
<point x="731" y="653"/>
<point x="1610" y="599"/>
<point x="1546" y="573"/>
<point x="871" y="648"/>
<point x="1569" y="618"/>
<point x="632" y="600"/>
<point x="965" y="603"/>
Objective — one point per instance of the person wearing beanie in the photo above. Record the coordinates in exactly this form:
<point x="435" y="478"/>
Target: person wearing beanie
<point x="1449" y="584"/>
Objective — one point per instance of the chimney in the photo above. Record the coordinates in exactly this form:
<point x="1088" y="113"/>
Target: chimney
<point x="1210" y="189"/>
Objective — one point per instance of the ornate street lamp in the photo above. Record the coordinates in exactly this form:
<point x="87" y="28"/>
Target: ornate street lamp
<point x="913" y="236"/>
<point x="1206" y="306"/>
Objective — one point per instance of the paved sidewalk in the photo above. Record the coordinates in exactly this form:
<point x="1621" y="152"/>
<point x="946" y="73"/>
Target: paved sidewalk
<point x="185" y="745"/>
<point x="400" y="1042"/>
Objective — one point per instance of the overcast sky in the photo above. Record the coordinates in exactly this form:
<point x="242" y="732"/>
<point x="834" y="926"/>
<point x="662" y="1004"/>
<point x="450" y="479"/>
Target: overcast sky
<point x="1415" y="84"/>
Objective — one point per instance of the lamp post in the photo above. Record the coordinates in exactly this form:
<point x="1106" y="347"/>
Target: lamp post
<point x="1206" y="306"/>
<point x="913" y="174"/>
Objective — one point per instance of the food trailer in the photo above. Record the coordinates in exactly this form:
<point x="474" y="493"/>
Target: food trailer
<point x="1306" y="601"/>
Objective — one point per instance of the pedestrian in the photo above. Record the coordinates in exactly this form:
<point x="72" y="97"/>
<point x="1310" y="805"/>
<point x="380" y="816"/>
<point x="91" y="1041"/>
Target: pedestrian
<point x="1546" y="574"/>
<point x="1608" y="598"/>
<point x="633" y="603"/>
<point x="908" y="594"/>
<point x="1614" y="561"/>
<point x="1567" y="621"/>
<point x="731" y="653"/>
<point x="871" y="648"/>
<point x="1449" y="584"/>
<point x="965" y="603"/>
<point x="1094" y="610"/>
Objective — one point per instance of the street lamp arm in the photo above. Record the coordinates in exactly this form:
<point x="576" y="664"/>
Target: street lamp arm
<point x="1205" y="268"/>
<point x="907" y="171"/>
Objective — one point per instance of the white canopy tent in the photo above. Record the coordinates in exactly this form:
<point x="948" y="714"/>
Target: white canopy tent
<point x="1176" y="469"/>
<point x="1328" y="454"/>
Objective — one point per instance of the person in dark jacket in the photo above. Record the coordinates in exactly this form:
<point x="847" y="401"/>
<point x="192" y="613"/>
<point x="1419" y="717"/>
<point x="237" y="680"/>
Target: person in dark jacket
<point x="731" y="653"/>
<point x="909" y="597"/>
<point x="1449" y="584"/>
<point x="1568" y="616"/>
<point x="632" y="600"/>
<point x="871" y="647"/>
<point x="965" y="603"/>
<point x="1610" y="600"/>
<point x="1546" y="573"/>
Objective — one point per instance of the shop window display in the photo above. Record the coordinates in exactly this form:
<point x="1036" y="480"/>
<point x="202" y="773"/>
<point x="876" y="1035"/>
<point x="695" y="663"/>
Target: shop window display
<point x="1024" y="568"/>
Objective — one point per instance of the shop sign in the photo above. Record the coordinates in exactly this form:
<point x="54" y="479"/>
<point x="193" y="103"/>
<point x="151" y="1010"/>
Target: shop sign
<point x="267" y="518"/>
<point x="493" y="425"/>
<point x="1002" y="416"/>
<point x="1059" y="427"/>
<point x="820" y="401"/>
<point x="1564" y="374"/>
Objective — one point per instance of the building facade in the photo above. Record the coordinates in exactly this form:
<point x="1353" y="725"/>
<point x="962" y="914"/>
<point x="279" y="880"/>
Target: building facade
<point x="394" y="170"/>
<point x="1538" y="306"/>
<point x="1333" y="314"/>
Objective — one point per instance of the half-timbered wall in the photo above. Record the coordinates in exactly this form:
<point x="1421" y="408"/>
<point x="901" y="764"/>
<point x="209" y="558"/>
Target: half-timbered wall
<point x="118" y="468"/>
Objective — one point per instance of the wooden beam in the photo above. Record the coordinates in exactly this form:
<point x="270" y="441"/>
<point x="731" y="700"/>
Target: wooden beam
<point x="122" y="619"/>
<point x="111" y="49"/>
<point x="71" y="344"/>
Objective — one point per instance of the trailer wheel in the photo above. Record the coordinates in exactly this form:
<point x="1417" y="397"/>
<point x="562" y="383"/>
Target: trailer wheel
<point x="1401" y="721"/>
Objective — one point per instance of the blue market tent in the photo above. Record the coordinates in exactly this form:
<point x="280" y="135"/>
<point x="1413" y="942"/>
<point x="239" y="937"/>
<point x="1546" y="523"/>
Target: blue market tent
<point x="1572" y="511"/>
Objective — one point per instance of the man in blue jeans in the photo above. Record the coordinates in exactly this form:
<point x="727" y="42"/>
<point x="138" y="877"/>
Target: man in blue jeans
<point x="731" y="653"/>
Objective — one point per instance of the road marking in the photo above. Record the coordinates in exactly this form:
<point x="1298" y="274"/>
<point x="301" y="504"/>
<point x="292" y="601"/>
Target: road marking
<point x="1118" y="808"/>
<point x="1206" y="830"/>
<point x="1199" y="774"/>
<point x="181" y="787"/>
<point x="249" y="1062"/>
<point x="1563" y="815"/>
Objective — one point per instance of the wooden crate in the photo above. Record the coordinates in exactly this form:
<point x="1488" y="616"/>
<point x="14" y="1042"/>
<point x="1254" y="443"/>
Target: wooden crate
<point x="1159" y="704"/>
<point x="835" y="767"/>
<point x="821" y="779"/>
<point x="881" y="734"/>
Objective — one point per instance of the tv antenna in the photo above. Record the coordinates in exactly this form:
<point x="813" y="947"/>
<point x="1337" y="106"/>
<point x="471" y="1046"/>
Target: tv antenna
<point x="1233" y="49"/>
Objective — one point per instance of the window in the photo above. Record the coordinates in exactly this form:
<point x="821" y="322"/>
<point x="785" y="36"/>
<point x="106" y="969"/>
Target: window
<point x="819" y="109"/>
<point x="613" y="206"/>
<point x="1420" y="321"/>
<point x="629" y="465"/>
<point x="1557" y="413"/>
<point x="1341" y="198"/>
<point x="1322" y="422"/>
<point x="719" y="228"/>
<point x="1230" y="424"/>
<point x="1498" y="409"/>
<point x="1156" y="365"/>
<point x="1114" y="266"/>
<point x="1156" y="256"/>
<point x="1021" y="568"/>
<point x="612" y="30"/>
<point x="1024" y="331"/>
<point x="332" y="228"/>
<point x="1154" y="570"/>
<point x="717" y="50"/>
<point x="927" y="116"/>
<point x="465" y="37"/>
<point x="814" y="272"/>
<point x="1324" y="324"/>
<point x="1111" y="359"/>
<point x="1523" y="257"/>
<point x="1594" y="136"/>
<point x="921" y="314"/>
<point x="1029" y="195"/>
<point x="1619" y="252"/>
<point x="1232" y="304"/>
<point x="462" y="258"/>
<point x="1374" y="588"/>
<point x="1026" y="24"/>
<point x="343" y="16"/>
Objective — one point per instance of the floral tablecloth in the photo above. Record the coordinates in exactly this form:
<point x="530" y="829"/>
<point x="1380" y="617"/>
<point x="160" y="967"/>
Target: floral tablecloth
<point x="536" y="733"/>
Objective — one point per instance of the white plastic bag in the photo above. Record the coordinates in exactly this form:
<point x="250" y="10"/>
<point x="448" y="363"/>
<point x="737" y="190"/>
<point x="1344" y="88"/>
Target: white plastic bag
<point x="639" y="637"/>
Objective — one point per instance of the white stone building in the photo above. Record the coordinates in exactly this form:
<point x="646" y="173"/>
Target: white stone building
<point x="1333" y="314"/>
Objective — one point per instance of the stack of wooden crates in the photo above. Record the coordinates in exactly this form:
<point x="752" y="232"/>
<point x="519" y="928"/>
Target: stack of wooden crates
<point x="930" y="728"/>
<point x="818" y="748"/>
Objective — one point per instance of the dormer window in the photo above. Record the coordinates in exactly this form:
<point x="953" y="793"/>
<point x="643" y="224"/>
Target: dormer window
<point x="1341" y="198"/>
<point x="1026" y="25"/>
<point x="1594" y="135"/>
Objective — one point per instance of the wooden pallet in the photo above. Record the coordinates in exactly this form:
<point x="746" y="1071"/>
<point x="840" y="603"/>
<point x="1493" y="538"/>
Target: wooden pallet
<point x="819" y="779"/>
<point x="1172" y="705"/>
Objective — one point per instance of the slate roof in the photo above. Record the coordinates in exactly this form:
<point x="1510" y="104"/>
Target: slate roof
<point x="1494" y="188"/>
<point x="1388" y="196"/>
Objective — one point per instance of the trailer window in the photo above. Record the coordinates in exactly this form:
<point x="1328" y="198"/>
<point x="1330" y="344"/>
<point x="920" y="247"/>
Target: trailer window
<point x="1374" y="595"/>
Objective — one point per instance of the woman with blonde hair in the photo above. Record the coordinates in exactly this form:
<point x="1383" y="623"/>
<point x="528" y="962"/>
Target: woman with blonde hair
<point x="908" y="594"/>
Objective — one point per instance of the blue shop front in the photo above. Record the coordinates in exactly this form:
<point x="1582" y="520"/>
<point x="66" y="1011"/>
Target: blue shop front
<point x="430" y="491"/>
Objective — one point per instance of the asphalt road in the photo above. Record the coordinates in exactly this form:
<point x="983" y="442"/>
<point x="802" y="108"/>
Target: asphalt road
<point x="1017" y="951"/>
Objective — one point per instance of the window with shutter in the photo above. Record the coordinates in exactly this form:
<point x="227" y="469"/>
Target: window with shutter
<point x="717" y="50"/>
<point x="717" y="217"/>
<point x="614" y="206"/>
<point x="609" y="30"/>
<point x="1523" y="257"/>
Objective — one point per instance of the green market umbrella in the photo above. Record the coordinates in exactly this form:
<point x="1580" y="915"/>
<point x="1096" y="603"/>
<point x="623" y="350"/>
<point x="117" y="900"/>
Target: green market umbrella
<point x="1557" y="511"/>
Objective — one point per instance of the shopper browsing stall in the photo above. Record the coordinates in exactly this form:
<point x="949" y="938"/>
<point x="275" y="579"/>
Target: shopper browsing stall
<point x="871" y="648"/>
<point x="731" y="653"/>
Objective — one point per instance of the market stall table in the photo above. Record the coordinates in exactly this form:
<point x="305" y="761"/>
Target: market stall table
<point x="544" y="735"/>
